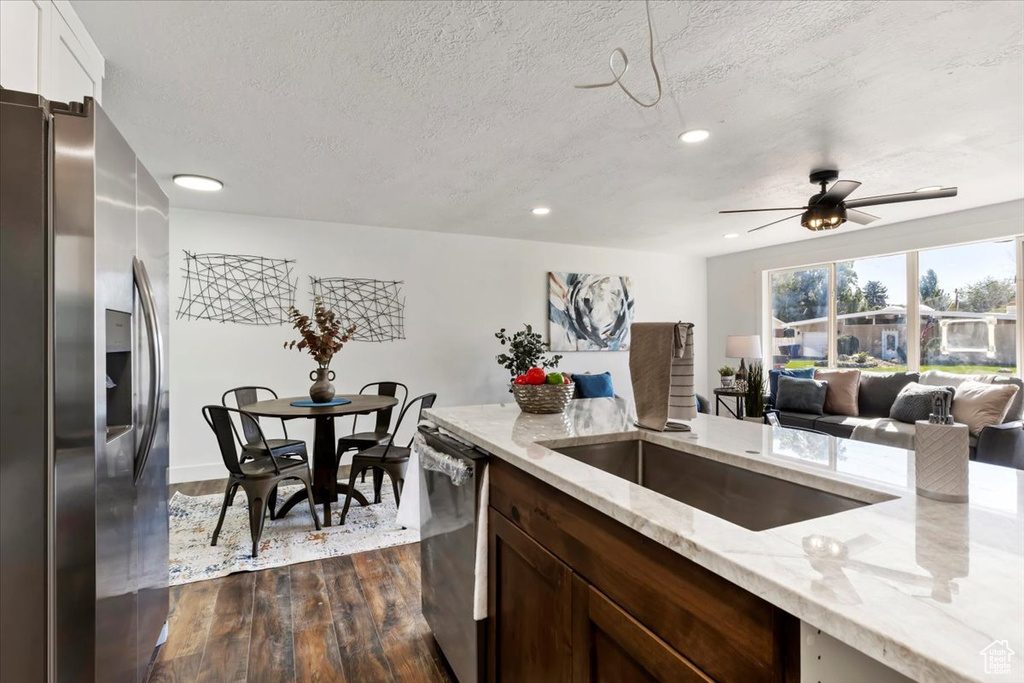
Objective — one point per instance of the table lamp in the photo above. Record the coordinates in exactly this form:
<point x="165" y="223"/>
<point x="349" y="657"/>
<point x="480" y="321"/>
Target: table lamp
<point x="743" y="347"/>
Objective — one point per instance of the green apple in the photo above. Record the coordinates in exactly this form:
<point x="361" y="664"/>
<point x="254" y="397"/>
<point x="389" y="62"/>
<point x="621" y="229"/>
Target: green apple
<point x="555" y="378"/>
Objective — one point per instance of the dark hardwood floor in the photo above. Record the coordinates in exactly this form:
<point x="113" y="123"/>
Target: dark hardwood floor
<point x="354" y="618"/>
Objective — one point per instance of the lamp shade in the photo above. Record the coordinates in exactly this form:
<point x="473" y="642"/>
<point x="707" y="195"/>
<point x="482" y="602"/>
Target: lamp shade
<point x="743" y="346"/>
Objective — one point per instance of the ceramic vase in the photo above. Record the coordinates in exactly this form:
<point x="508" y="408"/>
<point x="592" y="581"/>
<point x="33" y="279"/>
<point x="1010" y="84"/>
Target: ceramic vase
<point x="942" y="454"/>
<point x="728" y="380"/>
<point x="322" y="390"/>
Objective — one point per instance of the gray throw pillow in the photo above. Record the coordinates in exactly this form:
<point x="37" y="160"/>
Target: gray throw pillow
<point x="797" y="395"/>
<point x="878" y="391"/>
<point x="914" y="402"/>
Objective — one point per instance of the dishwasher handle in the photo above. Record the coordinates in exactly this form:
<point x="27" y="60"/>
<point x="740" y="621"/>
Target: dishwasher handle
<point x="434" y="460"/>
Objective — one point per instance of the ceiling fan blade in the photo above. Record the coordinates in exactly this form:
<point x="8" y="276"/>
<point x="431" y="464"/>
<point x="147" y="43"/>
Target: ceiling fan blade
<point x="901" y="197"/>
<point x="840" y="190"/>
<point x="860" y="217"/>
<point x="773" y="222"/>
<point x="781" y="208"/>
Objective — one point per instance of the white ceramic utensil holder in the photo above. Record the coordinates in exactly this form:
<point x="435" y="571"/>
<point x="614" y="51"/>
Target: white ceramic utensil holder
<point x="942" y="452"/>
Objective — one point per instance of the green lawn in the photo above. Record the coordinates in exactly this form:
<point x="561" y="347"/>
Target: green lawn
<point x="959" y="369"/>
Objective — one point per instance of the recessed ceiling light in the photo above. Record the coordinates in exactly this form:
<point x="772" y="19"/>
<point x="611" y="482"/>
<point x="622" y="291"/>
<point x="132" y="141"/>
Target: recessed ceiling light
<point x="541" y="211"/>
<point x="198" y="182"/>
<point x="731" y="235"/>
<point x="930" y="188"/>
<point x="695" y="135"/>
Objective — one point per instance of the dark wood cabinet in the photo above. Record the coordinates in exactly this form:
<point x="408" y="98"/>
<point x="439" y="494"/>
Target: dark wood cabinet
<point x="577" y="596"/>
<point x="610" y="645"/>
<point x="531" y="604"/>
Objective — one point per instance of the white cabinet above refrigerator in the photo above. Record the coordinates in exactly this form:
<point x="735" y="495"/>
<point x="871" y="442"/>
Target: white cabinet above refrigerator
<point x="45" y="49"/>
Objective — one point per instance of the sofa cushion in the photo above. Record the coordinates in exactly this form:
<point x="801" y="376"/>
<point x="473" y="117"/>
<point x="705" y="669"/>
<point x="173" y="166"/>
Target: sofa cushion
<point x="979" y="405"/>
<point x="1016" y="411"/>
<point x="885" y="432"/>
<point x="839" y="425"/>
<point x="878" y="391"/>
<point x="843" y="387"/>
<point x="803" y="420"/>
<point x="801" y="395"/>
<point x="941" y="378"/>
<point x="915" y="402"/>
<point x="773" y="378"/>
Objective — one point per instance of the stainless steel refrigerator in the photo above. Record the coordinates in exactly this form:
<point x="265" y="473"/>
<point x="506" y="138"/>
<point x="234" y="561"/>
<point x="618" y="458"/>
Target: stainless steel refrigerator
<point x="83" y="398"/>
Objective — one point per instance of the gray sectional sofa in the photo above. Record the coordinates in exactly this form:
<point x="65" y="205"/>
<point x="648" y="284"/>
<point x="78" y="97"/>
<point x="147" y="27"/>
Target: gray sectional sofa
<point x="1001" y="444"/>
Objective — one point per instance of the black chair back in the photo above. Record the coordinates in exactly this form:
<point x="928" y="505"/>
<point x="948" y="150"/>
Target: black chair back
<point x="250" y="423"/>
<point x="219" y="419"/>
<point x="424" y="402"/>
<point x="392" y="389"/>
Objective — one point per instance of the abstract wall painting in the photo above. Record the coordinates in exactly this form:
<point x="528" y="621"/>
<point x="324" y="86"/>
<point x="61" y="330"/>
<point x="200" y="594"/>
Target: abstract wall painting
<point x="589" y="312"/>
<point x="375" y="307"/>
<point x="234" y="288"/>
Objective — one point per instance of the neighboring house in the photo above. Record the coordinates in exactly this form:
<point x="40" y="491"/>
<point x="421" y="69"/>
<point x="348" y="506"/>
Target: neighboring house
<point x="977" y="337"/>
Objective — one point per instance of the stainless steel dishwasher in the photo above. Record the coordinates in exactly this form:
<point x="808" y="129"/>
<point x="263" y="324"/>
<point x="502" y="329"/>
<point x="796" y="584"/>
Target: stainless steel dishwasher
<point x="450" y="499"/>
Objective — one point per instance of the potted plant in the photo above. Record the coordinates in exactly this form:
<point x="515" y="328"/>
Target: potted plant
<point x="728" y="375"/>
<point x="526" y="350"/>
<point x="535" y="390"/>
<point x="754" y="398"/>
<point x="322" y="337"/>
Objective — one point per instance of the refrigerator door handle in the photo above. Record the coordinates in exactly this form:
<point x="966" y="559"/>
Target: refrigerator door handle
<point x="156" y="365"/>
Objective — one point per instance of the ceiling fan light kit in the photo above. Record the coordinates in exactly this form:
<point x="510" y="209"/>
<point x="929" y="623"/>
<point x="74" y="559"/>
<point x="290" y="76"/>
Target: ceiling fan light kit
<point x="829" y="209"/>
<point x="818" y="218"/>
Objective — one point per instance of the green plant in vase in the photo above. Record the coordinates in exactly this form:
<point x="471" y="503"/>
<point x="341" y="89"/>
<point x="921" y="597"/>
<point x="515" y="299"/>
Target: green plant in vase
<point x="754" y="398"/>
<point x="728" y="375"/>
<point x="526" y="349"/>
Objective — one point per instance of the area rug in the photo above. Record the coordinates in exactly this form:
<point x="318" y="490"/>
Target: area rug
<point x="288" y="540"/>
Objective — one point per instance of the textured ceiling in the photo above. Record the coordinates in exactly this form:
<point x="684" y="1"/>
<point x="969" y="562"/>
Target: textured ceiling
<point x="461" y="116"/>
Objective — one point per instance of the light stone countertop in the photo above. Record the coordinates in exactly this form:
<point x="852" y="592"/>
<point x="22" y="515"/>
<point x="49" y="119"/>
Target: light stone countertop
<point x="920" y="585"/>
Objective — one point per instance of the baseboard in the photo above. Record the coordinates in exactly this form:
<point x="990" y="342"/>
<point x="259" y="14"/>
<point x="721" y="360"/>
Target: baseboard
<point x="187" y="473"/>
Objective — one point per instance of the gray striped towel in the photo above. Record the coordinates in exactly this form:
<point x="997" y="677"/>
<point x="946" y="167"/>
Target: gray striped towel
<point x="682" y="402"/>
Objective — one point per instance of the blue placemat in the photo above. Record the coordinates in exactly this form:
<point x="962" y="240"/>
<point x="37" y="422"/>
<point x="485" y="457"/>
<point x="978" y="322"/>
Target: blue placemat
<point x="309" y="403"/>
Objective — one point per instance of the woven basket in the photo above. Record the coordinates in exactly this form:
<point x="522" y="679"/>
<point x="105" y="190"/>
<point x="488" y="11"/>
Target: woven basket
<point x="543" y="398"/>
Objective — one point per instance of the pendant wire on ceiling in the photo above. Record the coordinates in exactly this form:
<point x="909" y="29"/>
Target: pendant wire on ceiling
<point x="625" y="67"/>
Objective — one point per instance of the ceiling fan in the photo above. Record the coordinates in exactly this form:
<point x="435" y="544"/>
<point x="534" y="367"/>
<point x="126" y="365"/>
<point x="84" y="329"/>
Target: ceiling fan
<point x="830" y="208"/>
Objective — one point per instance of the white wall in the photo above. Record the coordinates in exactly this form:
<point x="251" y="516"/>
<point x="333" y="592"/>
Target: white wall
<point x="459" y="290"/>
<point x="734" y="281"/>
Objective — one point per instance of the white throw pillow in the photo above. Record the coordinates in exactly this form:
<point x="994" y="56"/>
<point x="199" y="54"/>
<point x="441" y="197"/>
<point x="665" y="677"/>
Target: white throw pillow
<point x="979" y="405"/>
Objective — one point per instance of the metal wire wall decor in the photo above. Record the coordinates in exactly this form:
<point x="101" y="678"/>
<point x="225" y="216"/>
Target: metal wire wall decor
<point x="232" y="288"/>
<point x="375" y="307"/>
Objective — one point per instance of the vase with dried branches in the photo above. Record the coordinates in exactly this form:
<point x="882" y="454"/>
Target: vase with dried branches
<point x="322" y="337"/>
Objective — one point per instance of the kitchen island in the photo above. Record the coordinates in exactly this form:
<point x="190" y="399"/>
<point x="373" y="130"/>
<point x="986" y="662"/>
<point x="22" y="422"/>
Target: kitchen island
<point x="921" y="586"/>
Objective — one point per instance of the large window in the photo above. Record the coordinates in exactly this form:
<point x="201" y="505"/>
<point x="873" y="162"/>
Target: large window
<point x="871" y="314"/>
<point x="968" y="297"/>
<point x="800" y="317"/>
<point x="961" y="317"/>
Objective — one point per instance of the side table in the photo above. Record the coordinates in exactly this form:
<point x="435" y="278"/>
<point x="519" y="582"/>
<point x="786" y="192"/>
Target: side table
<point x="722" y="394"/>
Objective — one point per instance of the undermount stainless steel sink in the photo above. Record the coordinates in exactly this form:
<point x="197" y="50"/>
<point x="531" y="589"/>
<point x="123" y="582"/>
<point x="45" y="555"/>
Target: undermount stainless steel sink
<point x="750" y="499"/>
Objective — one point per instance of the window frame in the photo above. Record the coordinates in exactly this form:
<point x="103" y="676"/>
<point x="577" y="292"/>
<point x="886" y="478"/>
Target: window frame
<point x="912" y="257"/>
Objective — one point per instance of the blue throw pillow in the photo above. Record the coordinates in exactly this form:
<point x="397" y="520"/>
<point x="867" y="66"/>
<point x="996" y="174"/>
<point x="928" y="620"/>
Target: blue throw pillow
<point x="773" y="378"/>
<point x="594" y="386"/>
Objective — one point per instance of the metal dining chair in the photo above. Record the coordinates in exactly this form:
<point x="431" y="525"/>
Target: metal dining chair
<point x="258" y="478"/>
<point x="251" y="439"/>
<point x="359" y="441"/>
<point x="387" y="458"/>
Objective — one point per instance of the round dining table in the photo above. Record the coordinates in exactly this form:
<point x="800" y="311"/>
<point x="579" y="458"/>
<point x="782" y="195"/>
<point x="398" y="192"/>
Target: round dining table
<point x="325" y="457"/>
